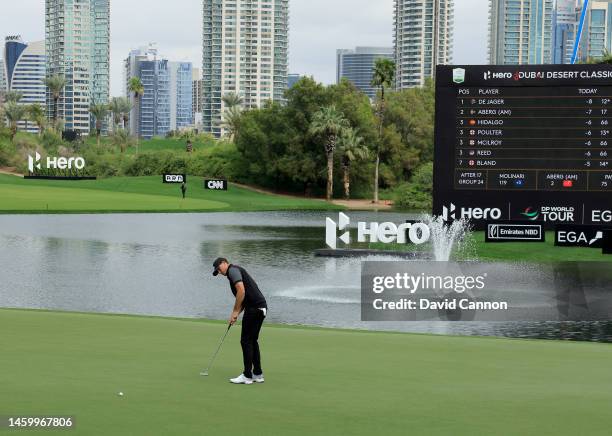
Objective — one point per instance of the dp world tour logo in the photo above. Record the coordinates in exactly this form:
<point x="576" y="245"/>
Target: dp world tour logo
<point x="34" y="162"/>
<point x="531" y="214"/>
<point x="331" y="239"/>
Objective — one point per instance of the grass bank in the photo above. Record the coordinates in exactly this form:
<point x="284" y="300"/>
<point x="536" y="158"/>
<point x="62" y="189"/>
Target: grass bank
<point x="137" y="194"/>
<point x="317" y="381"/>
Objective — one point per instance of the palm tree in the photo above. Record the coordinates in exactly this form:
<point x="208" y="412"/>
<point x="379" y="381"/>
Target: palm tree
<point x="231" y="100"/>
<point x="126" y="107"/>
<point x="56" y="85"/>
<point x="383" y="76"/>
<point x="231" y="121"/>
<point x="115" y="108"/>
<point x="37" y="114"/>
<point x="329" y="122"/>
<point x="14" y="112"/>
<point x="606" y="58"/>
<point x="135" y="85"/>
<point x="100" y="112"/>
<point x="12" y="96"/>
<point x="351" y="148"/>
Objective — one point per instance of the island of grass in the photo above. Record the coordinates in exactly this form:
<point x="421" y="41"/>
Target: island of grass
<point x="318" y="381"/>
<point x="138" y="194"/>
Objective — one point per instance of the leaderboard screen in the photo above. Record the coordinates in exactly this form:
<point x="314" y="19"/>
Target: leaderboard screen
<point x="527" y="143"/>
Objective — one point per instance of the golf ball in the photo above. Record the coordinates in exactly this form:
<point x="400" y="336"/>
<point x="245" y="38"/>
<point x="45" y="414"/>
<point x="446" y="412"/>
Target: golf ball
<point x="121" y="394"/>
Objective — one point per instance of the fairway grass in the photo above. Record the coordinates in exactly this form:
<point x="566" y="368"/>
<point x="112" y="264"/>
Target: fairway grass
<point x="138" y="194"/>
<point x="318" y="381"/>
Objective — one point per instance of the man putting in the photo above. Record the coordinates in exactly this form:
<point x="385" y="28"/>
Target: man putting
<point x="250" y="299"/>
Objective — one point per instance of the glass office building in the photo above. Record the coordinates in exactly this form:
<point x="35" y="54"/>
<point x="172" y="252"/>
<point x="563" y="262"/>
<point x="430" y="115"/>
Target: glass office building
<point x="597" y="32"/>
<point x="150" y="115"/>
<point x="77" y="48"/>
<point x="565" y="21"/>
<point x="357" y="65"/>
<point x="25" y="73"/>
<point x="423" y="38"/>
<point x="244" y="52"/>
<point x="521" y="32"/>
<point x="181" y="95"/>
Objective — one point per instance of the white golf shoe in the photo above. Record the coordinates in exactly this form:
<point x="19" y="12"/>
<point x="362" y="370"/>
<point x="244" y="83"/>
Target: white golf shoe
<point x="258" y="378"/>
<point x="241" y="380"/>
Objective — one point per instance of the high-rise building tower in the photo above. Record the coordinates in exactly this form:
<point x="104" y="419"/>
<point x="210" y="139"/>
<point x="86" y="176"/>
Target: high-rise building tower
<point x="2" y="78"/>
<point x="597" y="32"/>
<point x="181" y="95"/>
<point x="566" y="18"/>
<point x="77" y="47"/>
<point x="150" y="115"/>
<point x="244" y="53"/>
<point x="358" y="66"/>
<point x="423" y="39"/>
<point x="196" y="92"/>
<point x="25" y="73"/>
<point x="521" y="32"/>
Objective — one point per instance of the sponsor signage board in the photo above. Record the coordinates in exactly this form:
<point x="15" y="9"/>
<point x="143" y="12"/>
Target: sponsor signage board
<point x="607" y="242"/>
<point x="174" y="178"/>
<point x="215" y="184"/>
<point x="567" y="235"/>
<point x="547" y="161"/>
<point x="512" y="231"/>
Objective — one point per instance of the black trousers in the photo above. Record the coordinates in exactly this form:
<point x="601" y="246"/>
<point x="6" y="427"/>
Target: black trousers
<point x="251" y="325"/>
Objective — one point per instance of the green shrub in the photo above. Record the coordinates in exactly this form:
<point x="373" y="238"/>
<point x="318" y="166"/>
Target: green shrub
<point x="416" y="194"/>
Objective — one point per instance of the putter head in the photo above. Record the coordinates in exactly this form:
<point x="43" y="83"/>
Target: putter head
<point x="204" y="373"/>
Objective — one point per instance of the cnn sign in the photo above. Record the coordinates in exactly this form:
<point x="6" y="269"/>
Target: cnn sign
<point x="215" y="185"/>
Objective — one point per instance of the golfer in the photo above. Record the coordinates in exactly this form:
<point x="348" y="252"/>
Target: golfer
<point x="250" y="299"/>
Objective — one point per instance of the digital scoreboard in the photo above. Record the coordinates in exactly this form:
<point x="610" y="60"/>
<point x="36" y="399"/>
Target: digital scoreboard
<point x="526" y="143"/>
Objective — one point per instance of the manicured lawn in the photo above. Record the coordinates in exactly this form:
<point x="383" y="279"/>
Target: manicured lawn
<point x="136" y="194"/>
<point x="329" y="382"/>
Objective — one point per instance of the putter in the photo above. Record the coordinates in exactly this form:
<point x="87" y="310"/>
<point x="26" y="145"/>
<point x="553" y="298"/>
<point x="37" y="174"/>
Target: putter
<point x="212" y="359"/>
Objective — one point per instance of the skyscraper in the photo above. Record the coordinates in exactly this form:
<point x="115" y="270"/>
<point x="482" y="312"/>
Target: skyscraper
<point x="521" y="32"/>
<point x="25" y="72"/>
<point x="196" y="91"/>
<point x="244" y="52"/>
<point x="423" y="39"/>
<point x="181" y="95"/>
<point x="597" y="32"/>
<point x="77" y="47"/>
<point x="2" y="78"/>
<point x="150" y="116"/>
<point x="566" y="17"/>
<point x="357" y="65"/>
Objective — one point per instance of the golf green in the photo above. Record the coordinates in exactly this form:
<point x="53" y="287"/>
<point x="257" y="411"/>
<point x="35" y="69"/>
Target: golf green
<point x="318" y="381"/>
<point x="137" y="194"/>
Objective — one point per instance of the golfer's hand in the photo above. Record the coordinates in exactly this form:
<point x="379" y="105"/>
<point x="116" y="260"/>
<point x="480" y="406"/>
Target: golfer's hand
<point x="233" y="318"/>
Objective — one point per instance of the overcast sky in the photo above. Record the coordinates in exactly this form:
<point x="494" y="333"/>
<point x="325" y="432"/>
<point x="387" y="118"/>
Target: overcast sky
<point x="317" y="29"/>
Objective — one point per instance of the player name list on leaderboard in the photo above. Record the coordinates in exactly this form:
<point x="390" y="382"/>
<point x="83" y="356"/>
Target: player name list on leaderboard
<point x="534" y="138"/>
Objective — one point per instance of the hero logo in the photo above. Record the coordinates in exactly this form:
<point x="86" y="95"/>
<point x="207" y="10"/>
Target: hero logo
<point x="601" y="216"/>
<point x="387" y="233"/>
<point x="497" y="75"/>
<point x="470" y="213"/>
<point x="59" y="163"/>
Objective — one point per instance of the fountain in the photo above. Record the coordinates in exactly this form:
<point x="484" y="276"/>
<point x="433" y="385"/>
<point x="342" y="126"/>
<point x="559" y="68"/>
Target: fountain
<point x="446" y="237"/>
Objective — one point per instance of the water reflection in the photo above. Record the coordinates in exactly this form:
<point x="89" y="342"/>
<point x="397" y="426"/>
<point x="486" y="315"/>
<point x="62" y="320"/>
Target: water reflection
<point x="159" y="264"/>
